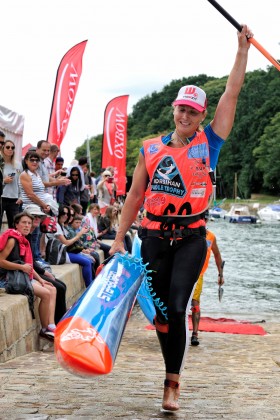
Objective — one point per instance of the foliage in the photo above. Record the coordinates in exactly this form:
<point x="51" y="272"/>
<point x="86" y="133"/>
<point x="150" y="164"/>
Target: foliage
<point x="252" y="150"/>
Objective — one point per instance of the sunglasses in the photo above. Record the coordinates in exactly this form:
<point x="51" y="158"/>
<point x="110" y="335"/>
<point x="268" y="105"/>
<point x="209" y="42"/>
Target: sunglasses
<point x="75" y="175"/>
<point x="34" y="160"/>
<point x="65" y="213"/>
<point x="10" y="147"/>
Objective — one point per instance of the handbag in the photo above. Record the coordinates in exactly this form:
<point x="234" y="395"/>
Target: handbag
<point x="74" y="248"/>
<point x="55" y="252"/>
<point x="18" y="282"/>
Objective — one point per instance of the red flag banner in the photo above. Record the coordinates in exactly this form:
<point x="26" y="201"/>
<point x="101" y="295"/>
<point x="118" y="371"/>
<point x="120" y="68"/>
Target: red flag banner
<point x="114" y="140"/>
<point x="66" y="86"/>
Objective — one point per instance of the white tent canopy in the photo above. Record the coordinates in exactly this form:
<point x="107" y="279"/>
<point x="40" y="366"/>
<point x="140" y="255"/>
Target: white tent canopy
<point x="12" y="124"/>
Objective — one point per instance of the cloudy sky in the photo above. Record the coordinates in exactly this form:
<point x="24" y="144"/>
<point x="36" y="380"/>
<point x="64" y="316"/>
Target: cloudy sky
<point x="133" y="48"/>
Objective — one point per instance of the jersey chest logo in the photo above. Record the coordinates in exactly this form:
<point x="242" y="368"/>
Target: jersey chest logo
<point x="167" y="178"/>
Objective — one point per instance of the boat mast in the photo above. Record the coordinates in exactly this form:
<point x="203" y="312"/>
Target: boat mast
<point x="235" y="186"/>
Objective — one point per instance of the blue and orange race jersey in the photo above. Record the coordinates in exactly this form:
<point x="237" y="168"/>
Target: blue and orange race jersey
<point x="179" y="179"/>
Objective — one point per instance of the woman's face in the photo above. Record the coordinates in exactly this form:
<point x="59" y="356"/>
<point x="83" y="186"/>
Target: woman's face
<point x="187" y="120"/>
<point x="32" y="163"/>
<point x="8" y="149"/>
<point x="36" y="221"/>
<point x="72" y="213"/>
<point x="74" y="176"/>
<point x="24" y="225"/>
<point x="64" y="215"/>
<point x="95" y="212"/>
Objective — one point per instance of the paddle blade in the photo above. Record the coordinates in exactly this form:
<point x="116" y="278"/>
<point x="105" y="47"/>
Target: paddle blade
<point x="220" y="293"/>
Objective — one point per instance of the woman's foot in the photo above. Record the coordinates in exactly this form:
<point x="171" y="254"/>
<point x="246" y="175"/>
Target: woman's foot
<point x="170" y="395"/>
<point x="47" y="334"/>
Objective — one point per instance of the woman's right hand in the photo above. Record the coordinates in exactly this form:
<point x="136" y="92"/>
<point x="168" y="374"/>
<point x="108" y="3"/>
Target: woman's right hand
<point x="84" y="230"/>
<point x="117" y="246"/>
<point x="8" y="180"/>
<point x="46" y="209"/>
<point x="26" y="268"/>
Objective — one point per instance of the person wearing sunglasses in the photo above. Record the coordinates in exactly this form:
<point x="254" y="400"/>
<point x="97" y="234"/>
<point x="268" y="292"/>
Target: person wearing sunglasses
<point x="68" y="194"/>
<point x="32" y="191"/>
<point x="11" y="199"/>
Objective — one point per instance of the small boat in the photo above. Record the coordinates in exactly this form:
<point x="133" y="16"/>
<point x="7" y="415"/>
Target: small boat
<point x="217" y="212"/>
<point x="270" y="213"/>
<point x="240" y="214"/>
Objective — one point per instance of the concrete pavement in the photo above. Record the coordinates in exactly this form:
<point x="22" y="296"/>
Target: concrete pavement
<point x="226" y="377"/>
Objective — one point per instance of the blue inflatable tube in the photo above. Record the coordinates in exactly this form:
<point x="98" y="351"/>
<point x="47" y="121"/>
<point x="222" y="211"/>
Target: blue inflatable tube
<point x="87" y="338"/>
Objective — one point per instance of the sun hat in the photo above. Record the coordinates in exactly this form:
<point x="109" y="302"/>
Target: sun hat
<point x="106" y="173"/>
<point x="193" y="96"/>
<point x="34" y="210"/>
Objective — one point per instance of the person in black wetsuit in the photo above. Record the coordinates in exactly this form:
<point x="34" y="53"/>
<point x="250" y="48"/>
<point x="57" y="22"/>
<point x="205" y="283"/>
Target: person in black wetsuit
<point x="173" y="180"/>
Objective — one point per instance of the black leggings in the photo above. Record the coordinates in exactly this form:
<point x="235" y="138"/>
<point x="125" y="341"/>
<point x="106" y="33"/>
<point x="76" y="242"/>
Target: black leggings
<point x="176" y="267"/>
<point x="60" y="305"/>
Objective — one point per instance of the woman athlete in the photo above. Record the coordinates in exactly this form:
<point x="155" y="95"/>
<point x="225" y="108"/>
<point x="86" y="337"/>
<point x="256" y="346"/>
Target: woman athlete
<point x="172" y="178"/>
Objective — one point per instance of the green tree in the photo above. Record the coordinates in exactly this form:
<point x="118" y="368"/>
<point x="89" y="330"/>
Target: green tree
<point x="268" y="155"/>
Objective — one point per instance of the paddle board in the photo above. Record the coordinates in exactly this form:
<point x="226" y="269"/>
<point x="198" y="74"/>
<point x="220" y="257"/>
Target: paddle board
<point x="88" y="336"/>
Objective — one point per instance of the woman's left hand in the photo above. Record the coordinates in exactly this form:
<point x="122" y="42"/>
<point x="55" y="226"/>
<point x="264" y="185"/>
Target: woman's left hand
<point x="49" y="275"/>
<point x="44" y="282"/>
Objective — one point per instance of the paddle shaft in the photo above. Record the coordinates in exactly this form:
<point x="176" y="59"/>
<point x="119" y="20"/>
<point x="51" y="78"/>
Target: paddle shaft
<point x="239" y="28"/>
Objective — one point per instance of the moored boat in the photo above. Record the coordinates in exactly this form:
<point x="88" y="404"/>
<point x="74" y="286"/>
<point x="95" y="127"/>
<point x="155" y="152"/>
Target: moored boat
<point x="240" y="214"/>
<point x="217" y="212"/>
<point x="270" y="213"/>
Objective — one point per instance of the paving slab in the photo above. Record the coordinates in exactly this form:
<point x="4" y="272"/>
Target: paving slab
<point x="228" y="376"/>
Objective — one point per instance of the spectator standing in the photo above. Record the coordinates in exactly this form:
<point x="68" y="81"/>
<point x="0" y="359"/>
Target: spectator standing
<point x="32" y="191"/>
<point x="88" y="193"/>
<point x="49" y="163"/>
<point x="69" y="194"/>
<point x="43" y="150"/>
<point x="98" y="179"/>
<point x="94" y="187"/>
<point x="79" y="163"/>
<point x="59" y="163"/>
<point x="106" y="190"/>
<point x="11" y="200"/>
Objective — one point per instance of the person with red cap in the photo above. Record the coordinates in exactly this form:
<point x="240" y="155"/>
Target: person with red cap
<point x="173" y="178"/>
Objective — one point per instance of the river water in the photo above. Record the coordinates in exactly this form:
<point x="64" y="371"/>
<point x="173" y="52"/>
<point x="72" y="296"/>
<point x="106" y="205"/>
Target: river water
<point x="252" y="272"/>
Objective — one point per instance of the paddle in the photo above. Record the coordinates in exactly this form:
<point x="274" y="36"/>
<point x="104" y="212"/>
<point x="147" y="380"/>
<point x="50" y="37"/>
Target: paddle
<point x="251" y="40"/>
<point x="221" y="290"/>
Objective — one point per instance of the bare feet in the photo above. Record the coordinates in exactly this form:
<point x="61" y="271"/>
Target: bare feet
<point x="170" y="396"/>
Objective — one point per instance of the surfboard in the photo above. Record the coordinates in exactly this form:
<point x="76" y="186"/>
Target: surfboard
<point x="88" y="337"/>
<point x="143" y="296"/>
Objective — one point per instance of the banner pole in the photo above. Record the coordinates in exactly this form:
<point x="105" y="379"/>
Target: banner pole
<point x="251" y="40"/>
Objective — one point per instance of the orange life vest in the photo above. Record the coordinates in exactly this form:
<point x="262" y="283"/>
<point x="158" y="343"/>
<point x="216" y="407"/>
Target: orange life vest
<point x="179" y="179"/>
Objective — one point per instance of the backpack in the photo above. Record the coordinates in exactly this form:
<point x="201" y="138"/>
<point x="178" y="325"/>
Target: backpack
<point x="55" y="252"/>
<point x="18" y="282"/>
